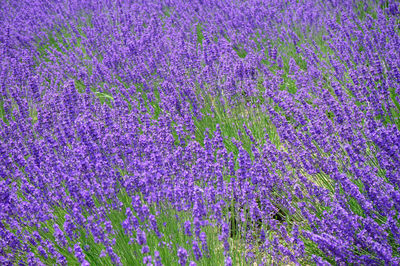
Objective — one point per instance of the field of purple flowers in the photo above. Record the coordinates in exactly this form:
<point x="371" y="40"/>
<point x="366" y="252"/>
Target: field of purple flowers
<point x="199" y="132"/>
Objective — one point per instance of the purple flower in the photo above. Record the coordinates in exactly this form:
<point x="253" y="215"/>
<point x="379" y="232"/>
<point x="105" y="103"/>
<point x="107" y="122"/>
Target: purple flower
<point x="203" y="239"/>
<point x="141" y="237"/>
<point x="103" y="253"/>
<point x="147" y="260"/>
<point x="182" y="255"/>
<point x="79" y="253"/>
<point x="145" y="249"/>
<point x="196" y="250"/>
<point x="157" y="258"/>
<point x="69" y="227"/>
<point x="154" y="226"/>
<point x="228" y="261"/>
<point x="187" y="227"/>
<point x="224" y="232"/>
<point x="42" y="252"/>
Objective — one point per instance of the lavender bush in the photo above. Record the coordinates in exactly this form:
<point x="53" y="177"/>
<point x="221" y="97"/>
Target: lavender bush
<point x="199" y="132"/>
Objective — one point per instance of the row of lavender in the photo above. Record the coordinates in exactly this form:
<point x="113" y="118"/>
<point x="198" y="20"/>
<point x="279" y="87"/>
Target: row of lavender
<point x="135" y="132"/>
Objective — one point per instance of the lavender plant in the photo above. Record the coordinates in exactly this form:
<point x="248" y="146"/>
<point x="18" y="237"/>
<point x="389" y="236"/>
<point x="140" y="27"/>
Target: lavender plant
<point x="199" y="133"/>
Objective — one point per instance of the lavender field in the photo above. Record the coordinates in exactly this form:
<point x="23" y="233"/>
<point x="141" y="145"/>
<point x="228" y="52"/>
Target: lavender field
<point x="235" y="132"/>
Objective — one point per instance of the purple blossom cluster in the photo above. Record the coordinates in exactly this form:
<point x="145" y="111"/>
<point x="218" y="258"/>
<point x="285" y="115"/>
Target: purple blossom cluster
<point x="272" y="123"/>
